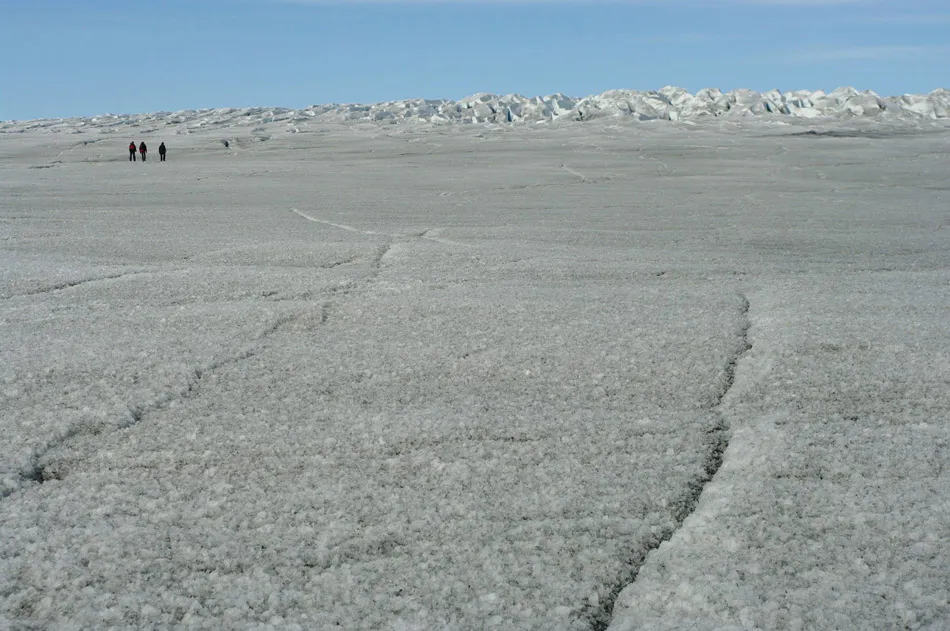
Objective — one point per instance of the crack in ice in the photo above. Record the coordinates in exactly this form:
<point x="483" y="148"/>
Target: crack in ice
<point x="598" y="615"/>
<point x="76" y="283"/>
<point x="38" y="473"/>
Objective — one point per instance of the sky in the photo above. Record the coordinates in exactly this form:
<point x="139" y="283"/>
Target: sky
<point x="62" y="58"/>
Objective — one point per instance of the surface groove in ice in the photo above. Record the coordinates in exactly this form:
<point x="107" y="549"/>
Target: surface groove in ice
<point x="599" y="614"/>
<point x="40" y="470"/>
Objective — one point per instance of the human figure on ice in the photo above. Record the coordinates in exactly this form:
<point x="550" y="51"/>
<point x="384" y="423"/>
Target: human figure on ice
<point x="142" y="149"/>
<point x="132" y="151"/>
<point x="161" y="152"/>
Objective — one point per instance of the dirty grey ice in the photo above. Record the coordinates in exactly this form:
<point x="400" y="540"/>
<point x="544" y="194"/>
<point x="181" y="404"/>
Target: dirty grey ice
<point x="644" y="375"/>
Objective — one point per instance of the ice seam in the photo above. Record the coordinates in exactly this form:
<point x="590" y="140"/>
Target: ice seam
<point x="599" y="615"/>
<point x="75" y="283"/>
<point x="37" y="473"/>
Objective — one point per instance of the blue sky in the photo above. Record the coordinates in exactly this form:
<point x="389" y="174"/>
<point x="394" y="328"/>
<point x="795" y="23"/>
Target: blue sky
<point x="84" y="57"/>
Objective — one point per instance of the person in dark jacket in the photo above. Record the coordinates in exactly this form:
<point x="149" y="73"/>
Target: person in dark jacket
<point x="132" y="151"/>
<point x="142" y="149"/>
<point x="161" y="152"/>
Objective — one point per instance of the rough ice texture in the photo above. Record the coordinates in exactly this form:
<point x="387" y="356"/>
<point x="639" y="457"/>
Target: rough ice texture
<point x="670" y="375"/>
<point x="669" y="103"/>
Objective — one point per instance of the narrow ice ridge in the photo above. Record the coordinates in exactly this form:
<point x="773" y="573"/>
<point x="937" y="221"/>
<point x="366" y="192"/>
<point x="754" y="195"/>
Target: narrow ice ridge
<point x="431" y="235"/>
<point x="341" y="226"/>
<point x="599" y="615"/>
<point x="384" y="249"/>
<point x="426" y="234"/>
<point x="583" y="178"/>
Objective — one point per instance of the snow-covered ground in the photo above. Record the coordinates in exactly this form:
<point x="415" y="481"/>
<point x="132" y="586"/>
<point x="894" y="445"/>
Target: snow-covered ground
<point x="556" y="375"/>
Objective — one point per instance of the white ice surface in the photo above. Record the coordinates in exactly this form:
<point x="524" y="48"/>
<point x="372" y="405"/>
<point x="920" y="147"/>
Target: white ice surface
<point x="467" y="377"/>
<point x="670" y="104"/>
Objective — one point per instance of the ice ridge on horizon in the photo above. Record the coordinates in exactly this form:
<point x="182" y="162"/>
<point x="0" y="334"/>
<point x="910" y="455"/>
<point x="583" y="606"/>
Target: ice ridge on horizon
<point x="669" y="103"/>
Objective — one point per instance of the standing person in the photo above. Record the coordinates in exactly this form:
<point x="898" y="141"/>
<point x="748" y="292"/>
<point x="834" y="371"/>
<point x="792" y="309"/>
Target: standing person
<point x="142" y="149"/>
<point x="161" y="152"/>
<point x="132" y="151"/>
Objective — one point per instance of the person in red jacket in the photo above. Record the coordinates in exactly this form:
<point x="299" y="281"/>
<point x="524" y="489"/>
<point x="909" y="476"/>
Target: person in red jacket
<point x="142" y="149"/>
<point x="132" y="151"/>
